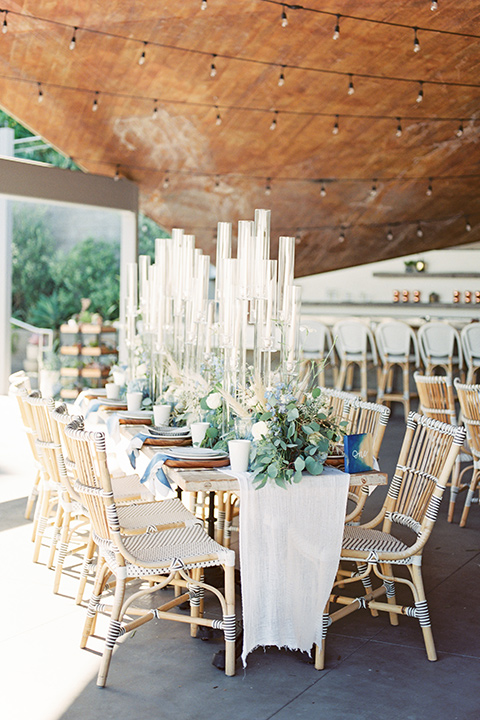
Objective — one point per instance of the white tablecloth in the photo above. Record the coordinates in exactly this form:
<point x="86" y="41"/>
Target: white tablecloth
<point x="290" y="542"/>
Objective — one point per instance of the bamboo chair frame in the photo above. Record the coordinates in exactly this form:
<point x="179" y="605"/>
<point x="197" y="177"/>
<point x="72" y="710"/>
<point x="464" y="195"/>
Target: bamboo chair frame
<point x="338" y="402"/>
<point x="176" y="559"/>
<point x="395" y="355"/>
<point x="438" y="352"/>
<point x="354" y="350"/>
<point x="469" y="399"/>
<point x="470" y="339"/>
<point x="21" y="393"/>
<point x="424" y="465"/>
<point x="365" y="417"/>
<point x="437" y="401"/>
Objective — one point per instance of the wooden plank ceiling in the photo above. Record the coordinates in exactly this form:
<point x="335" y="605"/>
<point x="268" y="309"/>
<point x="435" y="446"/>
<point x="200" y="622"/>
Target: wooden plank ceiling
<point x="193" y="170"/>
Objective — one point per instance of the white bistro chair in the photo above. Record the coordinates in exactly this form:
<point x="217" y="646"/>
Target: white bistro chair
<point x="355" y="346"/>
<point x="470" y="339"/>
<point x="438" y="342"/>
<point x="397" y="347"/>
<point x="316" y="346"/>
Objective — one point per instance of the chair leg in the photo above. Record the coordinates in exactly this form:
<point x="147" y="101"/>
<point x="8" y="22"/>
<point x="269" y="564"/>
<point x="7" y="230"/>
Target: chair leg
<point x="229" y="620"/>
<point x="406" y="389"/>
<point x="114" y="631"/>
<point x="350" y="371"/>
<point x="320" y="649"/>
<point x="469" y="498"/>
<point x="62" y="551"/>
<point x="341" y="375"/>
<point x="454" y="487"/>
<point x="89" y="552"/>
<point x="42" y="523"/>
<point x="100" y="576"/>
<point x="32" y="497"/>
<point x="364" y="386"/>
<point x="390" y="592"/>
<point x="57" y="528"/>
<point x="422" y="612"/>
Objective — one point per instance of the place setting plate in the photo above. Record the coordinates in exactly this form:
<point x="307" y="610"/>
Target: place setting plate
<point x="194" y="457"/>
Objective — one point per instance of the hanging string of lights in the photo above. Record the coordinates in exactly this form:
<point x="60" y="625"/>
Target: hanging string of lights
<point x="372" y="21"/>
<point x="256" y="61"/>
<point x="274" y="123"/>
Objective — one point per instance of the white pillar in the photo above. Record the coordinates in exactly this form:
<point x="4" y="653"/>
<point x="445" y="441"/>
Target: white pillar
<point x="128" y="254"/>
<point x="6" y="148"/>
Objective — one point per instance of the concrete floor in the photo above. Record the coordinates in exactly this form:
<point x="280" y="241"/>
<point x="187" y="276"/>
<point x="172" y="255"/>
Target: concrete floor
<point x="373" y="669"/>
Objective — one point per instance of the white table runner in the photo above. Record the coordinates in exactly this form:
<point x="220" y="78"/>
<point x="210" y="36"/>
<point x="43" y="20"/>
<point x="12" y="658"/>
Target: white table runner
<point x="290" y="542"/>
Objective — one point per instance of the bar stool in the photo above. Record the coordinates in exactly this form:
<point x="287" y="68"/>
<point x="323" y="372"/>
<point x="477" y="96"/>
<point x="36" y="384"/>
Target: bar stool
<point x="355" y="346"/>
<point x="470" y="339"/>
<point x="395" y="341"/>
<point x="437" y="341"/>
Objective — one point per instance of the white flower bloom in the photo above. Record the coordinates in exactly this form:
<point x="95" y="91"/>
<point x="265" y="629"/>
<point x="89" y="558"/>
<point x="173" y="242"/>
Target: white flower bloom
<point x="259" y="429"/>
<point x="141" y="371"/>
<point x="214" y="400"/>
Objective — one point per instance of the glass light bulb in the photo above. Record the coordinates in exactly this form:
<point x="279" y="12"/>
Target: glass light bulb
<point x="419" y="231"/>
<point x="281" y="80"/>
<point x="218" y="120"/>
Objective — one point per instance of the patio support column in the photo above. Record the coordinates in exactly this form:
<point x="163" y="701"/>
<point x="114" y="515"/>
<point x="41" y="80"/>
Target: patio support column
<point x="6" y="148"/>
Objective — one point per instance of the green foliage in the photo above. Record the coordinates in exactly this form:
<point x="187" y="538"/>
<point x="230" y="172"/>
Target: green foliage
<point x="148" y="230"/>
<point x="33" y="248"/>
<point x="47" y="312"/>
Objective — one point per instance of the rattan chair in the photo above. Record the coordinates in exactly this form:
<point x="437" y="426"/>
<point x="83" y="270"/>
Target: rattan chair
<point x="365" y="417"/>
<point x="437" y="342"/>
<point x="337" y="402"/>
<point x="162" y="555"/>
<point x="397" y="346"/>
<point x="355" y="346"/>
<point x="425" y="462"/>
<point x="21" y="392"/>
<point x="470" y="338"/>
<point x="469" y="399"/>
<point x="437" y="401"/>
<point x="316" y="351"/>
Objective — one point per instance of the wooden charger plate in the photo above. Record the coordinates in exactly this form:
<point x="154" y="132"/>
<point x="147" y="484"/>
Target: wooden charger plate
<point x="134" y="421"/>
<point x="164" y="442"/>
<point x="337" y="461"/>
<point x="185" y="464"/>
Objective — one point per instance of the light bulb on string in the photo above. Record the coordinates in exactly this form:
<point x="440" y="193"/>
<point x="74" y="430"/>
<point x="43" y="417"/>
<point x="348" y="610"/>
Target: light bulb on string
<point x="141" y="59"/>
<point x="373" y="190"/>
<point x="416" y="44"/>
<point x="429" y="191"/>
<point x="218" y="119"/>
<point x="155" y="110"/>
<point x="419" y="231"/>
<point x="351" y="89"/>
<point x="213" y="69"/>
<point x="40" y="93"/>
<point x="166" y="181"/>
<point x="434" y="5"/>
<point x="420" y="92"/>
<point x="203" y="5"/>
<point x="341" y="237"/>
<point x="284" y="17"/>
<point x="116" y="177"/>
<point x="468" y="227"/>
<point x="95" y="102"/>
<point x="336" y="126"/>
<point x="4" y="25"/>
<point x="336" y="32"/>
<point x="281" y="78"/>
<point x="217" y="181"/>
<point x="73" y="41"/>
<point x="268" y="187"/>
<point x="273" y="124"/>
<point x="323" y="191"/>
<point x="389" y="235"/>
<point x="398" y="131"/>
<point x="459" y="132"/>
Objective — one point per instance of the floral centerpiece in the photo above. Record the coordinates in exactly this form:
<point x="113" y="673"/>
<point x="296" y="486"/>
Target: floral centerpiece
<point x="291" y="436"/>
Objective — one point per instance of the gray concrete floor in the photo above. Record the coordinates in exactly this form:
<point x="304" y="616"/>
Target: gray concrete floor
<point x="373" y="669"/>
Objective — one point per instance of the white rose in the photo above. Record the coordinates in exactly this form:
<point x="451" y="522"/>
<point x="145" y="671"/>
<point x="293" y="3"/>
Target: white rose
<point x="141" y="371"/>
<point x="214" y="401"/>
<point x="259" y="429"/>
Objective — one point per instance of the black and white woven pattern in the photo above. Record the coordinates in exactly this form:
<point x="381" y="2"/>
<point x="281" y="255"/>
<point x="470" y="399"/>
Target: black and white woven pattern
<point x="142" y="515"/>
<point x="370" y="541"/>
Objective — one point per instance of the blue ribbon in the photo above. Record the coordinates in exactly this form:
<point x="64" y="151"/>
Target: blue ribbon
<point x="155" y="469"/>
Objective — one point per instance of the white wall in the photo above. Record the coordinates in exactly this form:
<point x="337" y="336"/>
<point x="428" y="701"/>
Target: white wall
<point x="358" y="284"/>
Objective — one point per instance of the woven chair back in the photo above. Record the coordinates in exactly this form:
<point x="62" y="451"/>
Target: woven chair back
<point x="60" y="419"/>
<point x="436" y="398"/>
<point x="426" y="460"/>
<point x="354" y="337"/>
<point x="316" y="338"/>
<point x="338" y="402"/>
<point x="47" y="447"/>
<point x="469" y="399"/>
<point x="93" y="478"/>
<point x="395" y="339"/>
<point x="438" y="340"/>
<point x="21" y="395"/>
<point x="368" y="417"/>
